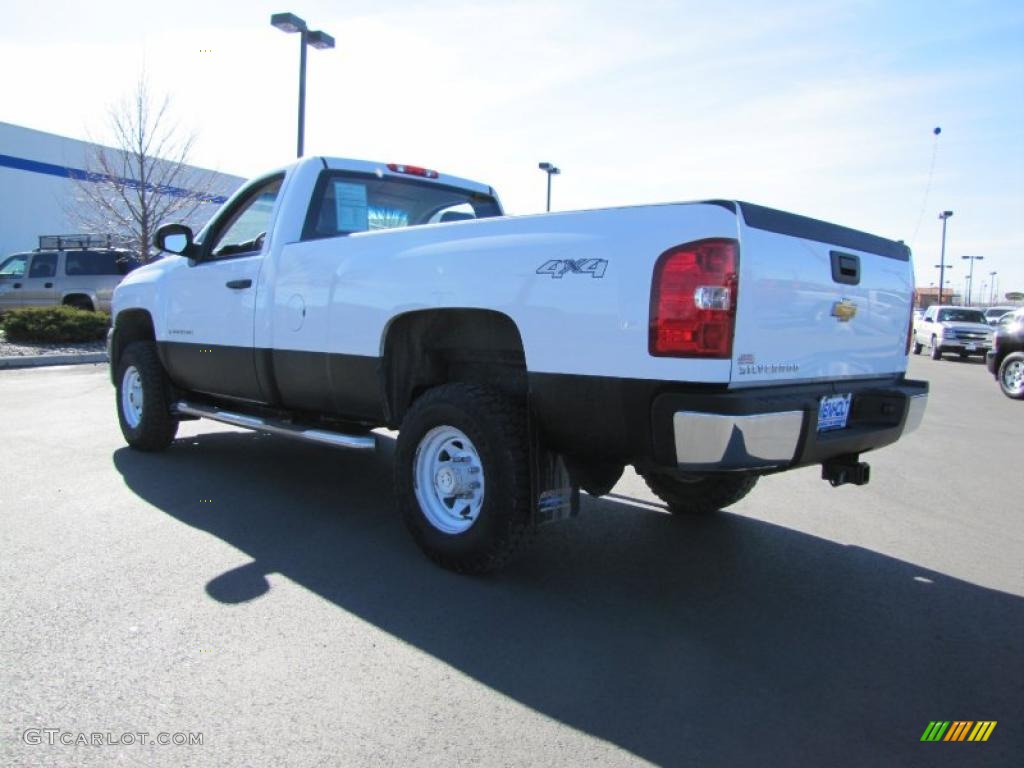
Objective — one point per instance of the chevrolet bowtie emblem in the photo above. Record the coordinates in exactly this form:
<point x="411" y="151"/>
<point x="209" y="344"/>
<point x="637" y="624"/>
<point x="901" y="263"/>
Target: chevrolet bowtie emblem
<point x="844" y="310"/>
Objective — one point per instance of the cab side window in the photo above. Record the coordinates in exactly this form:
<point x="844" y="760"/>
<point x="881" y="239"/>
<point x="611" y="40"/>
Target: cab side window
<point x="90" y="263"/>
<point x="43" y="265"/>
<point x="245" y="227"/>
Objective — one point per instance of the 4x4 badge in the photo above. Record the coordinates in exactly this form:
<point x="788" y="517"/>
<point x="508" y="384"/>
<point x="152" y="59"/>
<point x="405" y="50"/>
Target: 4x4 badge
<point x="559" y="267"/>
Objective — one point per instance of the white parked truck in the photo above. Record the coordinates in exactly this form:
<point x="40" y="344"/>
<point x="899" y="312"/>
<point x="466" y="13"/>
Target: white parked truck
<point x="946" y="329"/>
<point x="520" y="358"/>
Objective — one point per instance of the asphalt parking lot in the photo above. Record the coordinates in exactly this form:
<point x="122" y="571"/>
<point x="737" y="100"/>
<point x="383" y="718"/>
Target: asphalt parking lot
<point x="264" y="594"/>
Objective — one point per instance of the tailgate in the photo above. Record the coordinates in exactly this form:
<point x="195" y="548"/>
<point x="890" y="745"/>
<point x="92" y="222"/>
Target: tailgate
<point x="818" y="301"/>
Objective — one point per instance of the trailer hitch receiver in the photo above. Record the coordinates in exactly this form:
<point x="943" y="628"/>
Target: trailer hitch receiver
<point x="846" y="469"/>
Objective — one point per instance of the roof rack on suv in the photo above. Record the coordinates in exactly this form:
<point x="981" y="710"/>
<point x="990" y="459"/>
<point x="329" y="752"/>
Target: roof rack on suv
<point x="66" y="242"/>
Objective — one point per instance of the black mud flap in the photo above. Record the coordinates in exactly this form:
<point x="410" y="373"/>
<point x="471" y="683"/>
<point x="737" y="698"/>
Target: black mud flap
<point x="554" y="495"/>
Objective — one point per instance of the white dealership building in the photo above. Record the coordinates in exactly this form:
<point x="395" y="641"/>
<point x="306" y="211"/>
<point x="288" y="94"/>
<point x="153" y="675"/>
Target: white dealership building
<point x="37" y="191"/>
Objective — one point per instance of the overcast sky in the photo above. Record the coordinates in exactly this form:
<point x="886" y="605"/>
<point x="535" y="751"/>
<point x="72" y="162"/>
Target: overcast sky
<point x="826" y="108"/>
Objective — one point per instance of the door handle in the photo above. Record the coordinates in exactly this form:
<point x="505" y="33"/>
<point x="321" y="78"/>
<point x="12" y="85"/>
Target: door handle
<point x="47" y="285"/>
<point x="238" y="284"/>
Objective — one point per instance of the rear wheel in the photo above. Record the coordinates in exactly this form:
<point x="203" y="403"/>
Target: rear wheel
<point x="917" y="347"/>
<point x="1011" y="375"/>
<point x="936" y="349"/>
<point x="79" y="302"/>
<point x="143" y="399"/>
<point x="700" y="497"/>
<point x="462" y="475"/>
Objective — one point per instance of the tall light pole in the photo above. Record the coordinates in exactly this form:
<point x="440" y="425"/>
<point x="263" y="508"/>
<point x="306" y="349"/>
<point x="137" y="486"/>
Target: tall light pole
<point x="550" y="170"/>
<point x="289" y="22"/>
<point x="992" y="288"/>
<point x="942" y="261"/>
<point x="942" y="271"/>
<point x="970" y="277"/>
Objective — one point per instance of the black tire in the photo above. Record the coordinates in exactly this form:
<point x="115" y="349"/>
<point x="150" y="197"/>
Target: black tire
<point x="1011" y="375"/>
<point x="156" y="427"/>
<point x="917" y="348"/>
<point x="79" y="302"/>
<point x="936" y="349"/>
<point x="497" y="429"/>
<point x="700" y="497"/>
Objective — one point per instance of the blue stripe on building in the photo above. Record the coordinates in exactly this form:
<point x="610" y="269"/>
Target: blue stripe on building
<point x="49" y="169"/>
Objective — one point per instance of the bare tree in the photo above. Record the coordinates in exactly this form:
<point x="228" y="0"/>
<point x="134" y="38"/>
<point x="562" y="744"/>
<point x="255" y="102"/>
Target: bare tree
<point x="145" y="179"/>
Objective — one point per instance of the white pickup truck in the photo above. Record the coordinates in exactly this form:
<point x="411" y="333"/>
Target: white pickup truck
<point x="521" y="358"/>
<point x="945" y="329"/>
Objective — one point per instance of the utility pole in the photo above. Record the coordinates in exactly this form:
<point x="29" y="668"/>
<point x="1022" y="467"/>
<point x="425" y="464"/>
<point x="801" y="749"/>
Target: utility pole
<point x="970" y="279"/>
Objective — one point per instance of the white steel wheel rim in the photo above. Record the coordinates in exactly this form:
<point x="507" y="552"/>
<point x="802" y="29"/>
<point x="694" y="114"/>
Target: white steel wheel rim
<point x="448" y="478"/>
<point x="1013" y="376"/>
<point x="131" y="396"/>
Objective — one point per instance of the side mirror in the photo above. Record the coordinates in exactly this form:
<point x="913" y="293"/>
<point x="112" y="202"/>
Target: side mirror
<point x="175" y="238"/>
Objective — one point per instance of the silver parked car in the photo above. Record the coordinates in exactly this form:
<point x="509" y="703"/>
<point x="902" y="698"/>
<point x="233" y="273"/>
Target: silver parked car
<point x="993" y="314"/>
<point x="83" y="277"/>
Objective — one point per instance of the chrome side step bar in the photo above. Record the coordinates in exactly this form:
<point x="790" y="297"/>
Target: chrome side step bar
<point x="320" y="436"/>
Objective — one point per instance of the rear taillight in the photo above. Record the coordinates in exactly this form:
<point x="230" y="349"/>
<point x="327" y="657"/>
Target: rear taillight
<point x="910" y="330"/>
<point x="693" y="300"/>
<point x="412" y="170"/>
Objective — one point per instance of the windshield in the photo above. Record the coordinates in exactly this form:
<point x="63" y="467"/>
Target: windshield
<point x="961" y="316"/>
<point x="996" y="312"/>
<point x="346" y="202"/>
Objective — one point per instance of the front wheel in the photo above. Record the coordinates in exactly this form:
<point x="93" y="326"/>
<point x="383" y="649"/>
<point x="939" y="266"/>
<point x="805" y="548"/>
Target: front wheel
<point x="936" y="349"/>
<point x="1011" y="375"/>
<point x="700" y="497"/>
<point x="143" y="399"/>
<point x="462" y="475"/>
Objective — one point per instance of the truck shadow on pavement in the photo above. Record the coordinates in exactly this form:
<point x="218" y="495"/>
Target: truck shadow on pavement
<point x="714" y="641"/>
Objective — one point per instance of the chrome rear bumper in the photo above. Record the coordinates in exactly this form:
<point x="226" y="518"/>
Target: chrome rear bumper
<point x="711" y="442"/>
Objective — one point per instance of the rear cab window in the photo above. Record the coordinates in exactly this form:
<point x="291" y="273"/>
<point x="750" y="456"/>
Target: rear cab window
<point x="345" y="202"/>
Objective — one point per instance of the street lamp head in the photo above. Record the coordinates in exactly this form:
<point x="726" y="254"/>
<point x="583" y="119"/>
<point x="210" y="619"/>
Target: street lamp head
<point x="320" y="40"/>
<point x="549" y="168"/>
<point x="945" y="214"/>
<point x="288" y="22"/>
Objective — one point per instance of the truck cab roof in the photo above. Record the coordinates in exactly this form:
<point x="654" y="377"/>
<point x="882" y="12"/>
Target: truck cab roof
<point x="399" y="170"/>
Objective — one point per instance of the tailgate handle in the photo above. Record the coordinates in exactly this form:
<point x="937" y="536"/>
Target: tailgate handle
<point x="845" y="268"/>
